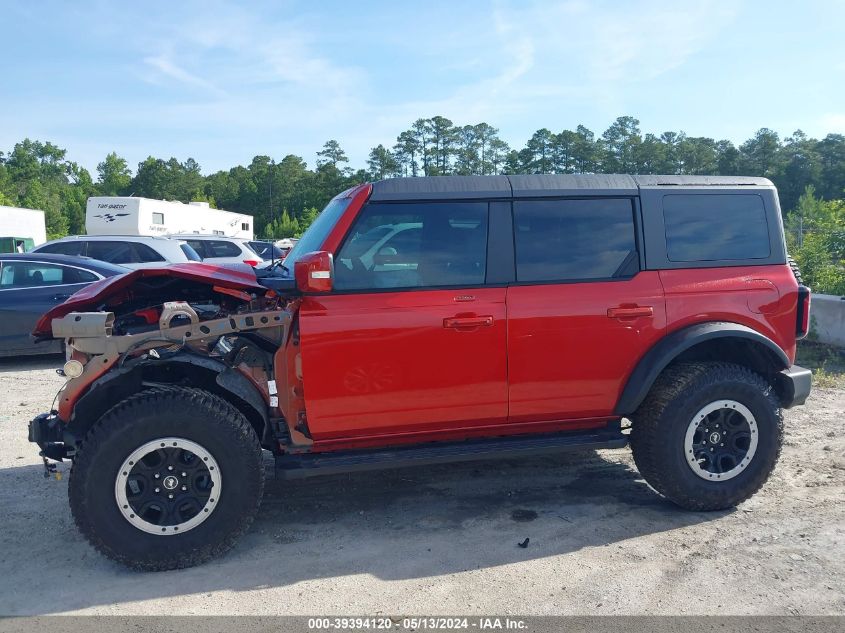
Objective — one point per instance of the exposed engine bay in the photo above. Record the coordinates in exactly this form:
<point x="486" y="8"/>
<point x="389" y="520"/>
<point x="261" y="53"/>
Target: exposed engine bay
<point x="178" y="325"/>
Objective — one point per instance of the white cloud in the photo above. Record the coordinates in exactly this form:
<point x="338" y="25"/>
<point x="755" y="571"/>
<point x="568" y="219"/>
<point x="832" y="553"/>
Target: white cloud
<point x="529" y="57"/>
<point x="237" y="80"/>
<point x="164" y="66"/>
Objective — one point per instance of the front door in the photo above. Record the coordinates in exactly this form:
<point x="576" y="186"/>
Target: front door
<point x="581" y="313"/>
<point x="411" y="340"/>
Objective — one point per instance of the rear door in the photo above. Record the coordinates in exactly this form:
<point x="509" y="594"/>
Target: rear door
<point x="412" y="339"/>
<point x="581" y="312"/>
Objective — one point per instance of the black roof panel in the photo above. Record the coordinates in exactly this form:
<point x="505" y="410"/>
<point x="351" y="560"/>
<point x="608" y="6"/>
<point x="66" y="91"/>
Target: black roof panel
<point x="541" y="185"/>
<point x="573" y="185"/>
<point x="441" y="188"/>
<point x="702" y="181"/>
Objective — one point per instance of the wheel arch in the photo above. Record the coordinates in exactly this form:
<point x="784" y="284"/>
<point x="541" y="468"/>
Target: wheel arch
<point x="196" y="371"/>
<point x="723" y="341"/>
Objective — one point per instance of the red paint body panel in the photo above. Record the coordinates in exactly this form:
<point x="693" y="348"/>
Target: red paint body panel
<point x="90" y="297"/>
<point x="385" y="363"/>
<point x="764" y="298"/>
<point x="567" y="358"/>
<point x="369" y="369"/>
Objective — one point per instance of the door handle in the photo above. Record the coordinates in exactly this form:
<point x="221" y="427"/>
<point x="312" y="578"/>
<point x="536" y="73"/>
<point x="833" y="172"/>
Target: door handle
<point x="464" y="323"/>
<point x="630" y="312"/>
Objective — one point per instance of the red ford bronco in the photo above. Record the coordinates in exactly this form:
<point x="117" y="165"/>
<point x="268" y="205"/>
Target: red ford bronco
<point x="423" y="320"/>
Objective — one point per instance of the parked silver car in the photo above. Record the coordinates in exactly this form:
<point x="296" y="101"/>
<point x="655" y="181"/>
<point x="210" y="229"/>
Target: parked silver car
<point x="132" y="251"/>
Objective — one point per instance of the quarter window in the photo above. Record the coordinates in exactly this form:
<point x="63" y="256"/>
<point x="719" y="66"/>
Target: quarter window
<point x="415" y="245"/>
<point x="219" y="248"/>
<point x="571" y="240"/>
<point x="710" y="227"/>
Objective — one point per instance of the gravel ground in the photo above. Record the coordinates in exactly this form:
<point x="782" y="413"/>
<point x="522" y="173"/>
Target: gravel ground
<point x="443" y="539"/>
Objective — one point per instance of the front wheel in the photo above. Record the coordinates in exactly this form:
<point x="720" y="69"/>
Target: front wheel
<point x="168" y="478"/>
<point x="708" y="435"/>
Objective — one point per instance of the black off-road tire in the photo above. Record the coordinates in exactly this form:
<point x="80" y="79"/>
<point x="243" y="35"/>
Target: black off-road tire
<point x="660" y="424"/>
<point x="192" y="414"/>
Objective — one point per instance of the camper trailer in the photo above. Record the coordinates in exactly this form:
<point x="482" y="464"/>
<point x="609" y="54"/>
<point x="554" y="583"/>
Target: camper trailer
<point x="21" y="229"/>
<point x="143" y="216"/>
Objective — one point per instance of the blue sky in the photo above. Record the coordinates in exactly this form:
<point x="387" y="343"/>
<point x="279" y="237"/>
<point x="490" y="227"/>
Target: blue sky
<point x="222" y="81"/>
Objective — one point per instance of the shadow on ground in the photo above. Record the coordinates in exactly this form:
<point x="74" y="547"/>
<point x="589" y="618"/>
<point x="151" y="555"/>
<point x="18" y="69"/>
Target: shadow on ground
<point x="411" y="523"/>
<point x="9" y="364"/>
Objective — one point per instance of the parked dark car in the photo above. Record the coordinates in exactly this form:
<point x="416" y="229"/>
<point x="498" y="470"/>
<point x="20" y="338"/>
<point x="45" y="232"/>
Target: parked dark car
<point x="31" y="284"/>
<point x="268" y="250"/>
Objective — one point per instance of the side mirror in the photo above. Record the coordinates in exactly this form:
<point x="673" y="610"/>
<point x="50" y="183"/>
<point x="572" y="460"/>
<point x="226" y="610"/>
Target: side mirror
<point x="314" y="272"/>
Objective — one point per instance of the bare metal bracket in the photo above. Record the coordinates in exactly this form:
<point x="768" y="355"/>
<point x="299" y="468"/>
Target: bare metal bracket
<point x="84" y="324"/>
<point x="172" y="309"/>
<point x="91" y="332"/>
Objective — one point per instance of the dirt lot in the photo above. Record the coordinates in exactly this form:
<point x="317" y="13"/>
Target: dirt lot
<point x="436" y="540"/>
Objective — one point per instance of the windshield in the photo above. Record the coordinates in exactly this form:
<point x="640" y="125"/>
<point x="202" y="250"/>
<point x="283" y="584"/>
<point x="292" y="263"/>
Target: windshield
<point x="317" y="233"/>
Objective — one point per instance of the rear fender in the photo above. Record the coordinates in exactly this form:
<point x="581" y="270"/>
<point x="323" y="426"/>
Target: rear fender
<point x="674" y="345"/>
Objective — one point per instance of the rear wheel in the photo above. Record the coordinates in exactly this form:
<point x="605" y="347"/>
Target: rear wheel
<point x="168" y="478"/>
<point x="708" y="435"/>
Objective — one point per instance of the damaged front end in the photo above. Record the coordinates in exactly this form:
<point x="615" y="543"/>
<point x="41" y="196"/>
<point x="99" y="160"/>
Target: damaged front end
<point x="193" y="325"/>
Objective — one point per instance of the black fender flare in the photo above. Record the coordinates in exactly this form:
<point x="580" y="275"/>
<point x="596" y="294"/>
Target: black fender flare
<point x="120" y="383"/>
<point x="673" y="345"/>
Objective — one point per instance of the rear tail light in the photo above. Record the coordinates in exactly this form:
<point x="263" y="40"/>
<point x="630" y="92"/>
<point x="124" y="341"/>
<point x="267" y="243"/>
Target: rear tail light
<point x="252" y="262"/>
<point x="802" y="328"/>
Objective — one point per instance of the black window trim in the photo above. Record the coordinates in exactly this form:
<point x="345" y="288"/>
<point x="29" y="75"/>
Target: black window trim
<point x="657" y="257"/>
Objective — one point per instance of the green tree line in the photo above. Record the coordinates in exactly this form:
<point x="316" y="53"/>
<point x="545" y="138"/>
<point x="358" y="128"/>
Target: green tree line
<point x="284" y="195"/>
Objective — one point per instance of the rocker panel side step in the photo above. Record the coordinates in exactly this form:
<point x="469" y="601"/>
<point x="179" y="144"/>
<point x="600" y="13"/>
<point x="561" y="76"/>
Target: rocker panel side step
<point x="329" y="463"/>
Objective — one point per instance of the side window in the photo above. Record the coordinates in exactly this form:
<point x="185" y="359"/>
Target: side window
<point x="199" y="247"/>
<point x="63" y="248"/>
<point x="219" y="248"/>
<point x="415" y="245"/>
<point x="573" y="240"/>
<point x="77" y="276"/>
<point x="30" y="275"/>
<point x="146" y="254"/>
<point x="112" y="252"/>
<point x="158" y="218"/>
<point x="715" y="227"/>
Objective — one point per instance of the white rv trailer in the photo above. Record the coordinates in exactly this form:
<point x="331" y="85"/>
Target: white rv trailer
<point x="21" y="223"/>
<point x="107" y="215"/>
